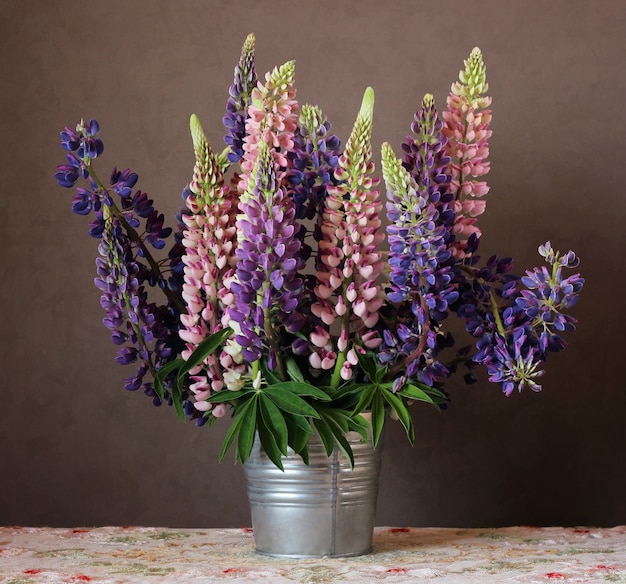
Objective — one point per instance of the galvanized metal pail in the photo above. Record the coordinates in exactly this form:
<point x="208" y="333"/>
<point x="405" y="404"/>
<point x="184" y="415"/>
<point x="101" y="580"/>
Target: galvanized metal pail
<point x="323" y="509"/>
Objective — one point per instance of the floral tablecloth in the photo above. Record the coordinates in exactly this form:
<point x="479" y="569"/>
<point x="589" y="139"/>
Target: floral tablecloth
<point x="154" y="555"/>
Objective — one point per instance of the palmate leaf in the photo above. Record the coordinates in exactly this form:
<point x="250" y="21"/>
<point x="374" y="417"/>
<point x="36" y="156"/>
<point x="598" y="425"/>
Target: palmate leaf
<point x="365" y="400"/>
<point x="268" y="442"/>
<point x="225" y="395"/>
<point x="268" y="375"/>
<point x="298" y="437"/>
<point x="367" y="362"/>
<point x="331" y="428"/>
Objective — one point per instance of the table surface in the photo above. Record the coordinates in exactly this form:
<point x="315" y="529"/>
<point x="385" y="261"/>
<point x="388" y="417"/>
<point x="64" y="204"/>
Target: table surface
<point x="31" y="555"/>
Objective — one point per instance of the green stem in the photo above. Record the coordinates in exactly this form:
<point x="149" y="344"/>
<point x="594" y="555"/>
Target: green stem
<point x="496" y="313"/>
<point x="345" y="327"/>
<point x="335" y="380"/>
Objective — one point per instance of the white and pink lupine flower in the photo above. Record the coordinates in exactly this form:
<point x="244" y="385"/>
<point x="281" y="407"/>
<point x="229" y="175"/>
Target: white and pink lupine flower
<point x="273" y="119"/>
<point x="349" y="261"/>
<point x="209" y="239"/>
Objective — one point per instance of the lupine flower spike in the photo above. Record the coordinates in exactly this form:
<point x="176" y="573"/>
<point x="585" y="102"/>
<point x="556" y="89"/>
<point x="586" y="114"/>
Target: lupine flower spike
<point x="146" y="332"/>
<point x="209" y="241"/>
<point x="467" y="129"/>
<point x="273" y="119"/>
<point x="349" y="260"/>
<point x="267" y="288"/>
<point x="239" y="96"/>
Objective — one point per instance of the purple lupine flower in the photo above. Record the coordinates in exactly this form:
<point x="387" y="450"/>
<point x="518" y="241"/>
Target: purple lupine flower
<point x="129" y="315"/>
<point x="146" y="332"/>
<point x="547" y="294"/>
<point x="514" y="364"/>
<point x="239" y="96"/>
<point x="517" y="328"/>
<point x="267" y="287"/>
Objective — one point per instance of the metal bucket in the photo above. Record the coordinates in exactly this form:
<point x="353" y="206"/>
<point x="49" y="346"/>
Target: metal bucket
<point x="323" y="509"/>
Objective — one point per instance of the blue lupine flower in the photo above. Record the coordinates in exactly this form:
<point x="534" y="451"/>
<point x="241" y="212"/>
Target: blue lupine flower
<point x="421" y="265"/>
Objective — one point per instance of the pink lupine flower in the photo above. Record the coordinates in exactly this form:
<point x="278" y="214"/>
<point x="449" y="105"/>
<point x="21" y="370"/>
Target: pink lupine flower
<point x="349" y="259"/>
<point x="467" y="129"/>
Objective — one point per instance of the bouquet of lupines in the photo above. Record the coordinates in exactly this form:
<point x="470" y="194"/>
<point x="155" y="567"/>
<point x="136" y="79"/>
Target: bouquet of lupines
<point x="280" y="304"/>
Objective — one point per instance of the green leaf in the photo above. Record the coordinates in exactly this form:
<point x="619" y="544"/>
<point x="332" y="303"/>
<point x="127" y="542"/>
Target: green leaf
<point x="177" y="399"/>
<point x="247" y="429"/>
<point x="437" y="395"/>
<point x="298" y="438"/>
<point x="233" y="429"/>
<point x="412" y="391"/>
<point x="339" y="418"/>
<point x="274" y="421"/>
<point x="381" y="373"/>
<point x="378" y="417"/>
<point x="303" y="389"/>
<point x="359" y="424"/>
<point x="203" y="350"/>
<point x="225" y="395"/>
<point x="403" y="413"/>
<point x="342" y="442"/>
<point x="163" y="372"/>
<point x="269" y="377"/>
<point x="368" y="364"/>
<point x="290" y="402"/>
<point x="325" y="434"/>
<point x="349" y="389"/>
<point x="294" y="371"/>
<point x="298" y="422"/>
<point x="268" y="442"/>
<point x="366" y="399"/>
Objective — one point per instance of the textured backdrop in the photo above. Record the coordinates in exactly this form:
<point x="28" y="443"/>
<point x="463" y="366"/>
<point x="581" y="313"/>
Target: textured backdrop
<point x="77" y="449"/>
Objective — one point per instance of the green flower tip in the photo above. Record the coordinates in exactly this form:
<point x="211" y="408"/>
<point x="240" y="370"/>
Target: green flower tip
<point x="367" y="105"/>
<point x="248" y="45"/>
<point x="311" y="118"/>
<point x="475" y="74"/>
<point x="386" y="151"/>
<point x="283" y="77"/>
<point x="197" y="133"/>
<point x="428" y="101"/>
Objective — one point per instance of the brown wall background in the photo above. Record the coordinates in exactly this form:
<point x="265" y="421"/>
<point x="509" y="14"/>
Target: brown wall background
<point x="76" y="449"/>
